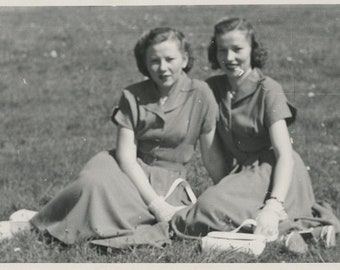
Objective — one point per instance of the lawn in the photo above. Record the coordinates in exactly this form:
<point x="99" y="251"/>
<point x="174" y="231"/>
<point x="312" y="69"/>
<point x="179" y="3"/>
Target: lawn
<point x="63" y="69"/>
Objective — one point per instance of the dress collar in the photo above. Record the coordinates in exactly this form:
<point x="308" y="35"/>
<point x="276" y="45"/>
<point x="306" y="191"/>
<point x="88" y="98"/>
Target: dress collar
<point x="179" y="93"/>
<point x="248" y="86"/>
<point x="177" y="97"/>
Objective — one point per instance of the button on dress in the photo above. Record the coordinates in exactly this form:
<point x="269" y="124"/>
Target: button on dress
<point x="243" y="130"/>
<point x="103" y="202"/>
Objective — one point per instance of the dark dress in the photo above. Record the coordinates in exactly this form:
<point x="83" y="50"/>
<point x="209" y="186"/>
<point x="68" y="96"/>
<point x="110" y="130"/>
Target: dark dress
<point x="243" y="131"/>
<point x="103" y="202"/>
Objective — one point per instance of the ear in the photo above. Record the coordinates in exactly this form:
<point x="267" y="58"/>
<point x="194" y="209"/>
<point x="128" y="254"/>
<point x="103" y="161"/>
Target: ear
<point x="185" y="58"/>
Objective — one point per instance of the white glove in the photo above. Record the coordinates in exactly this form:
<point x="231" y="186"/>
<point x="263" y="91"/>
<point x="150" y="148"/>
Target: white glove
<point x="162" y="210"/>
<point x="268" y="219"/>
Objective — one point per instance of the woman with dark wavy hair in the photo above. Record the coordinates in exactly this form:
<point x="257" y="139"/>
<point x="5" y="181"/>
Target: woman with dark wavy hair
<point x="160" y="120"/>
<point x="267" y="180"/>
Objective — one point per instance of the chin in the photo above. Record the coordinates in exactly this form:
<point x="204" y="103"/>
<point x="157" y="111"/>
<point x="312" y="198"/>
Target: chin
<point x="169" y="84"/>
<point x="233" y="74"/>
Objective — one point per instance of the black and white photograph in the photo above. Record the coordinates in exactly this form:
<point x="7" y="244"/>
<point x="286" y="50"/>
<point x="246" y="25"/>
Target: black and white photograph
<point x="170" y="133"/>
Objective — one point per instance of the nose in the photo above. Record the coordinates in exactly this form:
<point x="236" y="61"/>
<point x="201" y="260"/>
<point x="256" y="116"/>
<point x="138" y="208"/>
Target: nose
<point x="230" y="55"/>
<point x="163" y="65"/>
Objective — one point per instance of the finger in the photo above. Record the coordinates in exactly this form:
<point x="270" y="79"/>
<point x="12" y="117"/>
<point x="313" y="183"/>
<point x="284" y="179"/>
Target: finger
<point x="258" y="231"/>
<point x="326" y="205"/>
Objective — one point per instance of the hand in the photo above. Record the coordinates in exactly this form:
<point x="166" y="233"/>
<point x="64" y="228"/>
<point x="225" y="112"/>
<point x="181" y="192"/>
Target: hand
<point x="324" y="211"/>
<point x="267" y="224"/>
<point x="268" y="220"/>
<point x="162" y="210"/>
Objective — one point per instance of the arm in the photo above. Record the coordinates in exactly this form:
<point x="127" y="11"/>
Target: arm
<point x="126" y="155"/>
<point x="212" y="156"/>
<point x="284" y="159"/>
<point x="273" y="210"/>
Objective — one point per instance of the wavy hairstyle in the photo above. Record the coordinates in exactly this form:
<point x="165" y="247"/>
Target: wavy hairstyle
<point x="158" y="35"/>
<point x="258" y="53"/>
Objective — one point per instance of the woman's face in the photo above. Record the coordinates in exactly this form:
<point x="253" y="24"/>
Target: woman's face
<point x="165" y="62"/>
<point x="234" y="53"/>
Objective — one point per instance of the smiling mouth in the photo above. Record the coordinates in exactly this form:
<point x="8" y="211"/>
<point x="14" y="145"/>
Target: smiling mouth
<point x="231" y="66"/>
<point x="235" y="68"/>
<point x="164" y="77"/>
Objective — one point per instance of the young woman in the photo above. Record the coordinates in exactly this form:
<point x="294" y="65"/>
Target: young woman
<point x="159" y="121"/>
<point x="267" y="180"/>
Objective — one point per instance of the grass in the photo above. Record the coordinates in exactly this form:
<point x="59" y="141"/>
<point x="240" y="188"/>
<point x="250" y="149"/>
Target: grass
<point x="62" y="71"/>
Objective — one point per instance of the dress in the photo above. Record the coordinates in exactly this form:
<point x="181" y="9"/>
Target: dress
<point x="243" y="131"/>
<point x="103" y="202"/>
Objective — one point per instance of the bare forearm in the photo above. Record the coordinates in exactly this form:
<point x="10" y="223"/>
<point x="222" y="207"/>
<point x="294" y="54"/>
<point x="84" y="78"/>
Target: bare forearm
<point x="138" y="177"/>
<point x="126" y="155"/>
<point x="282" y="177"/>
<point x="283" y="169"/>
<point x="212" y="156"/>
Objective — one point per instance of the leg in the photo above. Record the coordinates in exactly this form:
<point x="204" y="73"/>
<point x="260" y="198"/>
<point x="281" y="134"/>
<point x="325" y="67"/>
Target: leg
<point x="102" y="202"/>
<point x="234" y="199"/>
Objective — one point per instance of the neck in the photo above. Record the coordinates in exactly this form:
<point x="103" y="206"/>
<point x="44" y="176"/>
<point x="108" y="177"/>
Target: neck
<point x="235" y="82"/>
<point x="164" y="91"/>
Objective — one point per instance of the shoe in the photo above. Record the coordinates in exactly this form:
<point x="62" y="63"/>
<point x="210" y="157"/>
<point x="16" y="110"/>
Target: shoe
<point x="9" y="228"/>
<point x="294" y="242"/>
<point x="5" y="230"/>
<point x="22" y="215"/>
<point x="325" y="235"/>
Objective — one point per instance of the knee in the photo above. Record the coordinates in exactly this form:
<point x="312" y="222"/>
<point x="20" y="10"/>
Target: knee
<point x="101" y="163"/>
<point x="97" y="159"/>
<point x="206" y="202"/>
<point x="97" y="171"/>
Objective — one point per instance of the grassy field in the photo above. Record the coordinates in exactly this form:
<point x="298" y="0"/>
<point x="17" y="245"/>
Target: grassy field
<point x="62" y="71"/>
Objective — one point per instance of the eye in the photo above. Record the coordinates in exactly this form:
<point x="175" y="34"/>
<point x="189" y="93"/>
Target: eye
<point x="169" y="59"/>
<point x="154" y="60"/>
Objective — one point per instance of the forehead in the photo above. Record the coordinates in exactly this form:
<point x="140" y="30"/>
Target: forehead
<point x="234" y="37"/>
<point x="165" y="47"/>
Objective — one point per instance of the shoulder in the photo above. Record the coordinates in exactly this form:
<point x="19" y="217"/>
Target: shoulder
<point x="200" y="86"/>
<point x="270" y="85"/>
<point x="202" y="90"/>
<point x="142" y="91"/>
<point x="275" y="97"/>
<point x="271" y="89"/>
<point x="138" y="88"/>
<point x="277" y="106"/>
